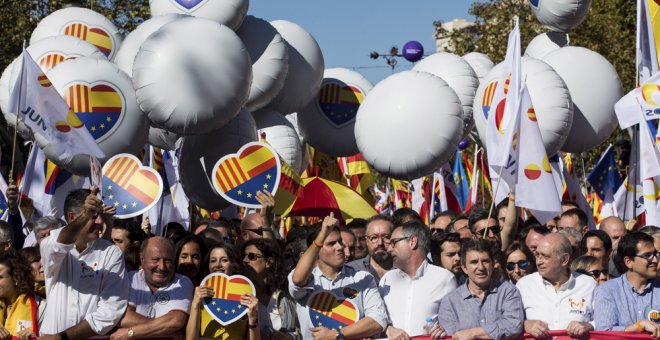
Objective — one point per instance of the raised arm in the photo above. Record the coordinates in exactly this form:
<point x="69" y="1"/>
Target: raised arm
<point x="303" y="270"/>
<point x="510" y="222"/>
<point x="92" y="207"/>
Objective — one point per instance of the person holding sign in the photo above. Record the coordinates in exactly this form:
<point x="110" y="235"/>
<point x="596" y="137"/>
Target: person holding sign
<point x="321" y="268"/>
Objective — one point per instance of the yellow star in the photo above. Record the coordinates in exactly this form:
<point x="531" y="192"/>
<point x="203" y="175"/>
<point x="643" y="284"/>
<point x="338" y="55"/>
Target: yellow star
<point x="249" y="195"/>
<point x="111" y="197"/>
<point x="213" y="303"/>
<point x="134" y="205"/>
<point x="116" y="204"/>
<point x="226" y="312"/>
<point x="102" y="126"/>
<point x="239" y="306"/>
<point x="218" y="309"/>
<point x="109" y="187"/>
<point x="108" y="119"/>
<point x="268" y="176"/>
<point x="124" y="206"/>
<point x="240" y="192"/>
<point x="233" y="311"/>
<point x="265" y="186"/>
<point x="320" y="324"/>
<point x="317" y="317"/>
<point x="93" y="128"/>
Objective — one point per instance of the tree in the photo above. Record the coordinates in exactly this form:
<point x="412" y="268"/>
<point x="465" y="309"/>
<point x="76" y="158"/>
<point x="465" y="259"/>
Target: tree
<point x="609" y="29"/>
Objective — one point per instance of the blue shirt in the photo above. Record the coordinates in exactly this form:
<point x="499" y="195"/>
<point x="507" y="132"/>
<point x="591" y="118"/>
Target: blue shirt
<point x="500" y="313"/>
<point x="617" y="304"/>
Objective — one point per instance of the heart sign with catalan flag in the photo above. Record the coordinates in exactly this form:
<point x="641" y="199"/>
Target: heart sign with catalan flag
<point x="225" y="304"/>
<point x="238" y="177"/>
<point x="326" y="310"/>
<point x="130" y="187"/>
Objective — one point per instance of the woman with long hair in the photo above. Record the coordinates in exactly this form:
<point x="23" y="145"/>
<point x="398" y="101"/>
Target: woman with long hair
<point x="518" y="262"/>
<point x="18" y="302"/>
<point x="263" y="255"/>
<point x="221" y="258"/>
<point x="190" y="252"/>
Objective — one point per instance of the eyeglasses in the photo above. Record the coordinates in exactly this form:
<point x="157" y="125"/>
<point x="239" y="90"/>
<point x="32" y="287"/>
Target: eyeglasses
<point x="252" y="256"/>
<point x="649" y="256"/>
<point x="594" y="273"/>
<point x="258" y="231"/>
<point x="512" y="265"/>
<point x="374" y="238"/>
<point x="394" y="241"/>
<point x="494" y="229"/>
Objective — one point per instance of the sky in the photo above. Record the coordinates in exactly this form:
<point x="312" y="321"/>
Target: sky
<point x="348" y="30"/>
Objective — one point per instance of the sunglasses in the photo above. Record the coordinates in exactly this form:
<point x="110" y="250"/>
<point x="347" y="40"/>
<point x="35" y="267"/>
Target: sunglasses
<point x="512" y="265"/>
<point x="252" y="256"/>
<point x="258" y="231"/>
<point x="594" y="273"/>
<point x="493" y="229"/>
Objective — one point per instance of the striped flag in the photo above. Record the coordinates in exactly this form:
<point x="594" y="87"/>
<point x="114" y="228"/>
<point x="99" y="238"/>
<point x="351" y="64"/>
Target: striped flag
<point x="421" y="198"/>
<point x="402" y="194"/>
<point x="290" y="188"/>
<point x="49" y="61"/>
<point x="328" y="311"/>
<point x="95" y="36"/>
<point x="225" y="304"/>
<point x="358" y="174"/>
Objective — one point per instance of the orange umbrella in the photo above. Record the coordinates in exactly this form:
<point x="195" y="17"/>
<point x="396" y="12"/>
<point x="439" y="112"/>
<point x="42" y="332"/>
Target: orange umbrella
<point x="322" y="196"/>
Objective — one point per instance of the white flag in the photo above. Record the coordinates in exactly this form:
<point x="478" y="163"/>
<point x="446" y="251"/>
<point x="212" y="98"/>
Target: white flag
<point x="535" y="188"/>
<point x="43" y="110"/>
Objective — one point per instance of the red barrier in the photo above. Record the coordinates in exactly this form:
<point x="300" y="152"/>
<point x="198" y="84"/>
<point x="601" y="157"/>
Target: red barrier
<point x="563" y="335"/>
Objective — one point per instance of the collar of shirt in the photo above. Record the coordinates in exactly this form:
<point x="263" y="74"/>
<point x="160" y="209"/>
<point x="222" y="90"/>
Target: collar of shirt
<point x="420" y="271"/>
<point x="343" y="273"/>
<point x="464" y="291"/>
<point x="628" y="286"/>
<point x="570" y="283"/>
<point x="141" y="273"/>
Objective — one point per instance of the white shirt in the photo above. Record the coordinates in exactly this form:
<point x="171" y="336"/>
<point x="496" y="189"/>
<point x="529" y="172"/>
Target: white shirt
<point x="83" y="286"/>
<point x="358" y="286"/>
<point x="410" y="301"/>
<point x="572" y="302"/>
<point x="175" y="296"/>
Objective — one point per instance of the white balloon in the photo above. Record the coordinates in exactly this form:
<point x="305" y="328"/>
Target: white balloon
<point x="47" y="52"/>
<point x="550" y="97"/>
<point x="270" y="60"/>
<point x="192" y="76"/>
<point x="306" y="66"/>
<point x="103" y="98"/>
<point x="131" y="45"/>
<point x="163" y="139"/>
<point x="328" y="121"/>
<point x="545" y="43"/>
<point x="459" y="75"/>
<point x="480" y="63"/>
<point x="226" y="12"/>
<point x="281" y="135"/>
<point x="81" y="23"/>
<point x="595" y="87"/>
<point x="560" y="15"/>
<point x="207" y="149"/>
<point x="409" y="125"/>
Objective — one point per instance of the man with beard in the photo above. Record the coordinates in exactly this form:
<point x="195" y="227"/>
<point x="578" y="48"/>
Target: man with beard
<point x="321" y="268"/>
<point x="447" y="251"/>
<point x="413" y="290"/>
<point x="85" y="274"/>
<point x="159" y="299"/>
<point x="379" y="261"/>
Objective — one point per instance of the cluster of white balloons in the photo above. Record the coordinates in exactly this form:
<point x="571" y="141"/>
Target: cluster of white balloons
<point x="193" y="77"/>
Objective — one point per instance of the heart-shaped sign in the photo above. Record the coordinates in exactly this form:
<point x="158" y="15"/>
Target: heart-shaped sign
<point x="326" y="310"/>
<point x="189" y="5"/>
<point x="339" y="101"/>
<point x="130" y="187"/>
<point x="225" y="305"/>
<point x="96" y="36"/>
<point x="49" y="60"/>
<point x="238" y="177"/>
<point x="99" y="106"/>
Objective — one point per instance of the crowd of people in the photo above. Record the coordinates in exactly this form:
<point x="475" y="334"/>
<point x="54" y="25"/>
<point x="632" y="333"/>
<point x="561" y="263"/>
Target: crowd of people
<point x="473" y="276"/>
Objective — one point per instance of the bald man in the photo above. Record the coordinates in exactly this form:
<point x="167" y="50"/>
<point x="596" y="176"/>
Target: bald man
<point x="259" y="225"/>
<point x="615" y="229"/>
<point x="554" y="298"/>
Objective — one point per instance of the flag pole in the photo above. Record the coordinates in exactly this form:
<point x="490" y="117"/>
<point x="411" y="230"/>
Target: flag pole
<point x="492" y="204"/>
<point x="635" y="165"/>
<point x="13" y="147"/>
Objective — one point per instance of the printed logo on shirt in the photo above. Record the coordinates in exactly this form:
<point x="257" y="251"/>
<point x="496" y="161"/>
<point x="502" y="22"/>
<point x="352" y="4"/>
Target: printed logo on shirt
<point x="23" y="325"/>
<point x="654" y="316"/>
<point x="350" y="293"/>
<point x="163" y="298"/>
<point x="87" y="271"/>
<point x="577" y="306"/>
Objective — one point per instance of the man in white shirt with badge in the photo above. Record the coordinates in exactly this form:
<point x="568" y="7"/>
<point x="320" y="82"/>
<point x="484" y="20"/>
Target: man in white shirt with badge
<point x="159" y="299"/>
<point x="554" y="298"/>
<point x="413" y="290"/>
<point x="85" y="275"/>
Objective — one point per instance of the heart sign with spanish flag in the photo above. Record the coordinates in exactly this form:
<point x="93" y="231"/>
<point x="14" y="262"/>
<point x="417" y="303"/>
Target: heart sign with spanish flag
<point x="130" y="187"/>
<point x="326" y="310"/>
<point x="225" y="304"/>
<point x="238" y="177"/>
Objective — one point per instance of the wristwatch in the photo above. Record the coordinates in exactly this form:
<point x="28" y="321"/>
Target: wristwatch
<point x="130" y="333"/>
<point x="339" y="335"/>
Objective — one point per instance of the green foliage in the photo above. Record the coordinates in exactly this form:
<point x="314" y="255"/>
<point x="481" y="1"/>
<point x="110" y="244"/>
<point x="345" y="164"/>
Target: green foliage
<point x="609" y="30"/>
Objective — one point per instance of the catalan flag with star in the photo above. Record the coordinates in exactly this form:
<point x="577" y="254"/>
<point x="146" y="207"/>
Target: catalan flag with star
<point x="225" y="304"/>
<point x="130" y="187"/>
<point x="325" y="310"/>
